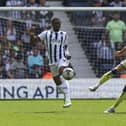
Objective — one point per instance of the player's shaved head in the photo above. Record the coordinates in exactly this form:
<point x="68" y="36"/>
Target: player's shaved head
<point x="55" y="19"/>
<point x="56" y="23"/>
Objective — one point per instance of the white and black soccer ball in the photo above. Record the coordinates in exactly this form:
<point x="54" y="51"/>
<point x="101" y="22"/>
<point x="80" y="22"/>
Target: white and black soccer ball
<point x="68" y="73"/>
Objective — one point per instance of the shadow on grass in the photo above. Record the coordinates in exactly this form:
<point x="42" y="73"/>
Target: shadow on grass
<point x="121" y="113"/>
<point x="43" y="112"/>
<point x="49" y="112"/>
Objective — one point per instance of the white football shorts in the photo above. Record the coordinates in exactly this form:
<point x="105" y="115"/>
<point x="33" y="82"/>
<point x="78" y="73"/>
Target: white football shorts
<point x="55" y="67"/>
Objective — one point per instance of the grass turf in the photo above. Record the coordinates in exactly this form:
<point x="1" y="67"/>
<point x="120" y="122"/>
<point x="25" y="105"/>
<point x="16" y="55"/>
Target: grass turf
<point x="51" y="113"/>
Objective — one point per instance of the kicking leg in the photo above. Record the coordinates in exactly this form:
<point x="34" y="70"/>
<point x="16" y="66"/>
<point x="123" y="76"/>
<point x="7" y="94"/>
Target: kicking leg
<point x="107" y="76"/>
<point x="118" y="101"/>
<point x="102" y="80"/>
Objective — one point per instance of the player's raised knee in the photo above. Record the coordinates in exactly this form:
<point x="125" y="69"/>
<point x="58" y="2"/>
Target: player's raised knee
<point x="114" y="71"/>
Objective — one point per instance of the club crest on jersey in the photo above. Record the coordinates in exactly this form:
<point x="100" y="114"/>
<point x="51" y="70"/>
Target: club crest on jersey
<point x="54" y="41"/>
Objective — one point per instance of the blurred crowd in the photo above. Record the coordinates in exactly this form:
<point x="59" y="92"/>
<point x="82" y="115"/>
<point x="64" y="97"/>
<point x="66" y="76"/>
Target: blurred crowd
<point x="23" y="58"/>
<point x="98" y="3"/>
<point x="20" y="56"/>
<point x="103" y="32"/>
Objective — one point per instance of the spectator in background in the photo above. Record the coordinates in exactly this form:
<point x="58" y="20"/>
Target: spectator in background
<point x="25" y="37"/>
<point x="123" y="13"/>
<point x="104" y="3"/>
<point x="2" y="29"/>
<point x="6" y="47"/>
<point x="41" y="48"/>
<point x="100" y="3"/>
<point x="30" y="15"/>
<point x="26" y="43"/>
<point x="116" y="29"/>
<point x="116" y="3"/>
<point x="105" y="55"/>
<point x="2" y="69"/>
<point x="10" y="32"/>
<point x="98" y="18"/>
<point x="19" y="48"/>
<point x="44" y="17"/>
<point x="124" y="3"/>
<point x="32" y="3"/>
<point x="34" y="29"/>
<point x="14" y="3"/>
<point x="17" y="68"/>
<point x="8" y="63"/>
<point x="35" y="64"/>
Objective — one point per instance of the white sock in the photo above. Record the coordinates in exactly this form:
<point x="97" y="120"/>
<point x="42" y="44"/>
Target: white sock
<point x="65" y="89"/>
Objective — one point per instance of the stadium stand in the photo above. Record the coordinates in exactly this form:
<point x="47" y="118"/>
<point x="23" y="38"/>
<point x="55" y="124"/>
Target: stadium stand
<point x="77" y="3"/>
<point x="2" y="3"/>
<point x="89" y="28"/>
<point x="88" y="31"/>
<point x="15" y="41"/>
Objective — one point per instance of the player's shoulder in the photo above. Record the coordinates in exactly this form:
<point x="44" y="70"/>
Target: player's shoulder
<point x="45" y="32"/>
<point x="63" y="32"/>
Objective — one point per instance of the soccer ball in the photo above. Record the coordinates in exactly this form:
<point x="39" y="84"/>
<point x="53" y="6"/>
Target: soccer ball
<point x="68" y="73"/>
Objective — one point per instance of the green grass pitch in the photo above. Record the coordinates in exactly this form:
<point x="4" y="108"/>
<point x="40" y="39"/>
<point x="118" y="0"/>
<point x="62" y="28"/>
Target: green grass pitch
<point x="51" y="113"/>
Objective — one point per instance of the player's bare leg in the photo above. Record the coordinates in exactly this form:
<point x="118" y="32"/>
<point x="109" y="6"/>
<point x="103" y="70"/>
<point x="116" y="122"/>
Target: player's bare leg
<point x="107" y="76"/>
<point x="118" y="101"/>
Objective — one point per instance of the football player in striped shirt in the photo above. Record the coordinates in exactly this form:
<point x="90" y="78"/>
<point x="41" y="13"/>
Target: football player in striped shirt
<point x="56" y="44"/>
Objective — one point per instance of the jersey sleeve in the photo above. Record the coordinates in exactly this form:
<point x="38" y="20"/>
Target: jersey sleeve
<point x="67" y="52"/>
<point x="42" y="35"/>
<point x="66" y="39"/>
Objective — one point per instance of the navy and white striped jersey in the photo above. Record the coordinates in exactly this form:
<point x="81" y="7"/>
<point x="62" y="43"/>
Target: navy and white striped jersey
<point x="54" y="42"/>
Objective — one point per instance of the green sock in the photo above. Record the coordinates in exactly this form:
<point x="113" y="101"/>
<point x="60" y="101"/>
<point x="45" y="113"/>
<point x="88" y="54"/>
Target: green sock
<point x="119" y="100"/>
<point x="105" y="77"/>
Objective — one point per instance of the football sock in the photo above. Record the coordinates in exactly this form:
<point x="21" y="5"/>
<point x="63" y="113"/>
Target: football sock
<point x="119" y="100"/>
<point x="104" y="78"/>
<point x="64" y="88"/>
